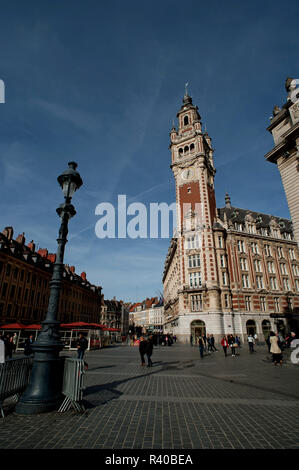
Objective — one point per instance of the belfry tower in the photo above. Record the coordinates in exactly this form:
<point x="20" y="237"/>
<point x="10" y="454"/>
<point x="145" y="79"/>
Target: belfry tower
<point x="195" y="254"/>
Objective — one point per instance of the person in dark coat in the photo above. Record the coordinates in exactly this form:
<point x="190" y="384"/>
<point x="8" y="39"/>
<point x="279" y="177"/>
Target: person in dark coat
<point x="82" y="345"/>
<point x="212" y="341"/>
<point x="149" y="351"/>
<point x="142" y="349"/>
<point x="201" y="346"/>
<point x="28" y="346"/>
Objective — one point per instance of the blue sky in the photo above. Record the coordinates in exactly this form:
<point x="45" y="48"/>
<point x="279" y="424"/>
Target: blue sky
<point x="100" y="83"/>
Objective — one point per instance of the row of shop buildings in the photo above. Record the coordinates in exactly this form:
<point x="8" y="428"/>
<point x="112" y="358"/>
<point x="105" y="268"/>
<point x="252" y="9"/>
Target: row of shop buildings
<point x="148" y="315"/>
<point x="24" y="289"/>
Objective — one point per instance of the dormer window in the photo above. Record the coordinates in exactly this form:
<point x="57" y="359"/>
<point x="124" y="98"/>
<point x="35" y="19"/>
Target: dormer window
<point x="186" y="121"/>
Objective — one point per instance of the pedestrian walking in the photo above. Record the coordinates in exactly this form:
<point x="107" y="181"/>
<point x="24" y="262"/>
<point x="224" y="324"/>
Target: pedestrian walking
<point x="201" y="346"/>
<point x="232" y="344"/>
<point x="205" y="341"/>
<point x="28" y="346"/>
<point x="250" y="341"/>
<point x="82" y="345"/>
<point x="212" y="341"/>
<point x="191" y="340"/>
<point x="9" y="346"/>
<point x="224" y="344"/>
<point x="238" y="341"/>
<point x="209" y="344"/>
<point x="142" y="349"/>
<point x="149" y="351"/>
<point x="275" y="349"/>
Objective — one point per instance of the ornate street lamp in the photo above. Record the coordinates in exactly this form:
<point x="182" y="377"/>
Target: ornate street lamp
<point x="44" y="390"/>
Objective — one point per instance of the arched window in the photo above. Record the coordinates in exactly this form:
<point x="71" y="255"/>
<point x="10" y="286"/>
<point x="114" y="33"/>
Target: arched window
<point x="251" y="327"/>
<point x="180" y="151"/>
<point x="198" y="328"/>
<point x="186" y="149"/>
<point x="192" y="147"/>
<point x="186" y="121"/>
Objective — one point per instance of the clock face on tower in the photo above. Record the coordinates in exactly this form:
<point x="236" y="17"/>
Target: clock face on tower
<point x="187" y="174"/>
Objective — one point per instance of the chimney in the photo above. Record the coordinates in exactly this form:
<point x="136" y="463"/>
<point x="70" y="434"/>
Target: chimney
<point x="8" y="233"/>
<point x="51" y="257"/>
<point x="43" y="253"/>
<point x="72" y="269"/>
<point x="83" y="276"/>
<point x="227" y="201"/>
<point x="31" y="245"/>
<point x="21" y="239"/>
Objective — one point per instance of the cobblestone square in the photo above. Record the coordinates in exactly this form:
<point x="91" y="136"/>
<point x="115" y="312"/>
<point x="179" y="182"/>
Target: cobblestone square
<point x="182" y="402"/>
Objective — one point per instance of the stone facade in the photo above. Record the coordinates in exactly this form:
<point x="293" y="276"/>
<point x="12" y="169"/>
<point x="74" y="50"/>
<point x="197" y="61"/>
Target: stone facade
<point x="227" y="270"/>
<point x="284" y="128"/>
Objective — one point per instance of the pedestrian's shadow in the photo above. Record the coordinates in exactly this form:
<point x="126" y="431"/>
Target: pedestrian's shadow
<point x="101" y="394"/>
<point x="101" y="367"/>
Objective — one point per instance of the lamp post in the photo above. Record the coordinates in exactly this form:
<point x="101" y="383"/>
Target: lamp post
<point x="44" y="390"/>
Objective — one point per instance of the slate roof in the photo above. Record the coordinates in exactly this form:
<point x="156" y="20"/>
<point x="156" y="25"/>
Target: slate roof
<point x="236" y="214"/>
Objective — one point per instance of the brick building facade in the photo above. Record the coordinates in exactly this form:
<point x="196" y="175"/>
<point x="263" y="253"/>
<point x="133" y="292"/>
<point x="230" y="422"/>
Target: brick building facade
<point x="24" y="285"/>
<point x="227" y="270"/>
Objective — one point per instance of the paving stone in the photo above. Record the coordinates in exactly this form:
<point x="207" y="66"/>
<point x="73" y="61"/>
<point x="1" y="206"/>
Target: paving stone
<point x="181" y="402"/>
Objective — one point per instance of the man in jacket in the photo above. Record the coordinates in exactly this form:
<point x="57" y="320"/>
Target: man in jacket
<point x="149" y="351"/>
<point x="82" y="345"/>
<point x="142" y="349"/>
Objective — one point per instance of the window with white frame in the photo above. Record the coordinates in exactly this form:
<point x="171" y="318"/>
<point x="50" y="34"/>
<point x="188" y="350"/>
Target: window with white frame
<point x="220" y="242"/>
<point x="226" y="300"/>
<point x="297" y="284"/>
<point x="195" y="279"/>
<point x="248" y="303"/>
<point x="194" y="261"/>
<point x="255" y="248"/>
<point x="245" y="280"/>
<point x="295" y="269"/>
<point x="196" y="303"/>
<point x="193" y="242"/>
<point x="259" y="282"/>
<point x="286" y="284"/>
<point x="283" y="268"/>
<point x="292" y="253"/>
<point x="250" y="228"/>
<point x="267" y="250"/>
<point x="224" y="278"/>
<point x="243" y="264"/>
<point x="263" y="303"/>
<point x="280" y="252"/>
<point x="241" y="246"/>
<point x="276" y="304"/>
<point x="275" y="233"/>
<point x="222" y="261"/>
<point x="271" y="269"/>
<point x="257" y="265"/>
<point x="238" y="227"/>
<point x="273" y="283"/>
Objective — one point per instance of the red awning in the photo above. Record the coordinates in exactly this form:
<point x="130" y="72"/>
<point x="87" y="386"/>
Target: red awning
<point x="80" y="324"/>
<point x="33" y="327"/>
<point x="110" y="329"/>
<point x="13" y="326"/>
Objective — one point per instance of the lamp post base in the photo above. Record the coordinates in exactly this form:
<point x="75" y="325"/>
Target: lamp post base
<point x="43" y="393"/>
